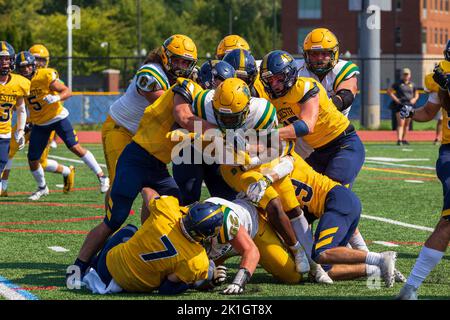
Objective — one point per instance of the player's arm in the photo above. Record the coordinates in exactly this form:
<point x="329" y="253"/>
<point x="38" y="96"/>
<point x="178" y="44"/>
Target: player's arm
<point x="416" y="96"/>
<point x="151" y="96"/>
<point x="21" y="114"/>
<point x="391" y="93"/>
<point x="426" y="113"/>
<point x="247" y="249"/>
<point x="64" y="92"/>
<point x="345" y="93"/>
<point x="307" y="118"/>
<point x="182" y="113"/>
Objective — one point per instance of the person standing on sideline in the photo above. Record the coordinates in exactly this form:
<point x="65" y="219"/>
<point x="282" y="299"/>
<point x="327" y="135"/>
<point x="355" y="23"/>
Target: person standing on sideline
<point x="403" y="92"/>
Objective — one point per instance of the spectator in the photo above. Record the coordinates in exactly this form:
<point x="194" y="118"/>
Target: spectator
<point x="403" y="92"/>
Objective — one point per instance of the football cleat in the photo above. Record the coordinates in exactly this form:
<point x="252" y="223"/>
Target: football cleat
<point x="408" y="292"/>
<point x="104" y="184"/>
<point x="69" y="181"/>
<point x="40" y="192"/>
<point x="399" y="277"/>
<point x="53" y="144"/>
<point x="388" y="267"/>
<point x="319" y="275"/>
<point x="4" y="193"/>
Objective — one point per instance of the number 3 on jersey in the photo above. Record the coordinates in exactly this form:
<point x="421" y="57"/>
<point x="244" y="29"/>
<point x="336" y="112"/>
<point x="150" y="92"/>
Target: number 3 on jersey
<point x="157" y="255"/>
<point x="303" y="192"/>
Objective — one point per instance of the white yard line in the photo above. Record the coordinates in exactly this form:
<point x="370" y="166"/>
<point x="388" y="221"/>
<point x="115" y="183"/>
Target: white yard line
<point x="398" y="223"/>
<point x="10" y="294"/>
<point x="58" y="249"/>
<point x="386" y="244"/>
<point x="399" y="165"/>
<point x="72" y="160"/>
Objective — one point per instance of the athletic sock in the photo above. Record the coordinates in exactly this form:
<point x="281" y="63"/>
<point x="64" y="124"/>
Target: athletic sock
<point x="303" y="233"/>
<point x="374" y="258"/>
<point x="357" y="242"/>
<point x="425" y="263"/>
<point x="39" y="177"/>
<point x="372" y="270"/>
<point x="90" y="161"/>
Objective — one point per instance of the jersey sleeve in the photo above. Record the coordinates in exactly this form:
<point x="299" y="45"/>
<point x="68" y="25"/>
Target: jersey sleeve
<point x="348" y="70"/>
<point x="199" y="104"/>
<point x="187" y="88"/>
<point x="230" y="226"/>
<point x="267" y="119"/>
<point x="150" y="80"/>
<point x="430" y="84"/>
<point x="51" y="75"/>
<point x="25" y="85"/>
<point x="193" y="269"/>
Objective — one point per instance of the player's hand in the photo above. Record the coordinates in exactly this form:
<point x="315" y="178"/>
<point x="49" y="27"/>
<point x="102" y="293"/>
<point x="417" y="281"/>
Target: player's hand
<point x="220" y="275"/>
<point x="50" y="98"/>
<point x="256" y="190"/>
<point x="179" y="134"/>
<point x="441" y="78"/>
<point x="19" y="135"/>
<point x="233" y="289"/>
<point x="406" y="111"/>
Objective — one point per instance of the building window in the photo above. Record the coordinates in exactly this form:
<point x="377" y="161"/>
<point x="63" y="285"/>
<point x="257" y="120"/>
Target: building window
<point x="309" y="9"/>
<point x="398" y="37"/>
<point x="447" y="8"/>
<point x="436" y="5"/>
<point x="424" y="4"/>
<point x="424" y="40"/>
<point x="301" y="35"/>
<point x="441" y="36"/>
<point x="435" y="36"/>
<point x="398" y="5"/>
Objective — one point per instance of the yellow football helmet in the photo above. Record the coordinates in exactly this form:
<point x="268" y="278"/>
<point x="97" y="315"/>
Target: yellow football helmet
<point x="229" y="43"/>
<point x="40" y="52"/>
<point x="175" y="49"/>
<point x="231" y="103"/>
<point x="323" y="40"/>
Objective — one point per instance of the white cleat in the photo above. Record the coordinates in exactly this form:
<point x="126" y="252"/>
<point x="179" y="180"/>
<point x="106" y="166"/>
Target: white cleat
<point x="320" y="275"/>
<point x="408" y="292"/>
<point x="40" y="192"/>
<point x="104" y="184"/>
<point x="387" y="267"/>
<point x="53" y="144"/>
<point x="399" y="277"/>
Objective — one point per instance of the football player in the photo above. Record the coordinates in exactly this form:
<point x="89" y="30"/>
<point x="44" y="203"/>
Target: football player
<point x="231" y="107"/>
<point x="165" y="254"/>
<point x="42" y="55"/>
<point x="438" y="83"/>
<point x="190" y="176"/>
<point x="13" y="89"/>
<point x="248" y="234"/>
<point x="48" y="114"/>
<point x="143" y="162"/>
<point x="229" y="43"/>
<point x="159" y="71"/>
<point x="339" y="78"/>
<point x="247" y="70"/>
<point x="306" y="111"/>
<point x="338" y="210"/>
<point x="26" y="66"/>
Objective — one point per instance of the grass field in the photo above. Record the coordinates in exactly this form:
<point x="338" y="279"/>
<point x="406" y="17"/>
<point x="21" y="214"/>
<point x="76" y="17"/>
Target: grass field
<point x="404" y="190"/>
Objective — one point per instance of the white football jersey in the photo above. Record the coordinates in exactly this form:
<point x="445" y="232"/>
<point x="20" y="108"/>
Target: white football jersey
<point x="128" y="110"/>
<point x="262" y="114"/>
<point x="343" y="70"/>
<point x="237" y="213"/>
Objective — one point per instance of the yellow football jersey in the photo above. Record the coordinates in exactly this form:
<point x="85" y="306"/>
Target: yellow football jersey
<point x="15" y="88"/>
<point x="156" y="250"/>
<point x="330" y="123"/>
<point x="158" y="120"/>
<point x="259" y="88"/>
<point x="40" y="111"/>
<point x="311" y="187"/>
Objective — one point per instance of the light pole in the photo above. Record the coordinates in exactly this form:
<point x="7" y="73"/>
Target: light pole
<point x="139" y="35"/>
<point x="106" y="45"/>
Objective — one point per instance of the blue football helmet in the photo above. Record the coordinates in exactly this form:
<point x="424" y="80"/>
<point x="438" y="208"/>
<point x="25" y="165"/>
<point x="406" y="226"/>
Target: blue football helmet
<point x="23" y="59"/>
<point x="447" y="51"/>
<point x="213" y="70"/>
<point x="244" y="64"/>
<point x="203" y="221"/>
<point x="275" y="63"/>
<point x="7" y="56"/>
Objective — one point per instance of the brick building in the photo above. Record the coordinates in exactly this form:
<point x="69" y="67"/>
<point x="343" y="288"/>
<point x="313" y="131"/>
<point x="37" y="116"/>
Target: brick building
<point x="415" y="32"/>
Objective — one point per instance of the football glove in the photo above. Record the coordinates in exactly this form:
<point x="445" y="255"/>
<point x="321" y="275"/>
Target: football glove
<point x="238" y="285"/>
<point x="441" y="78"/>
<point x="178" y="134"/>
<point x="19" y="135"/>
<point x="406" y="111"/>
<point x="220" y="275"/>
<point x="50" y="98"/>
<point x="256" y="190"/>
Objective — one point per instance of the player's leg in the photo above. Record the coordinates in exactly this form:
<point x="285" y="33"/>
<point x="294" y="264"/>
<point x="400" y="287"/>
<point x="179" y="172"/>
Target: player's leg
<point x="400" y="126"/>
<point x="436" y="245"/>
<point x="38" y="141"/>
<point x="13" y="148"/>
<point x="65" y="131"/>
<point x="189" y="178"/>
<point x="274" y="257"/>
<point x="406" y="131"/>
<point x="215" y="183"/>
<point x="131" y="172"/>
<point x="4" y="152"/>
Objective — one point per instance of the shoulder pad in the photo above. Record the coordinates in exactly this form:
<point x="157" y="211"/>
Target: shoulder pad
<point x="430" y="85"/>
<point x="147" y="83"/>
<point x="186" y="88"/>
<point x="230" y="226"/>
<point x="310" y="93"/>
